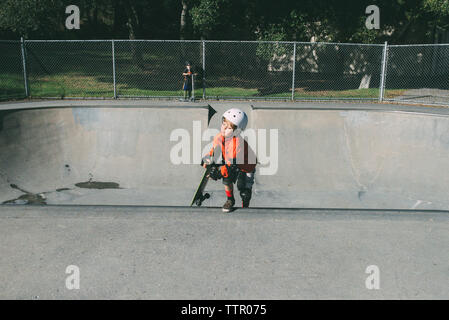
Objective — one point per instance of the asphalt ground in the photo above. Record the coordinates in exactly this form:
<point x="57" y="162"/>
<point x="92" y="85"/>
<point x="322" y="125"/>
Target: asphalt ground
<point x="202" y="253"/>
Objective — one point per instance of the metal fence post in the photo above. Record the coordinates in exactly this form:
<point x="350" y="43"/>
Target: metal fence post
<point x="113" y="69"/>
<point x="383" y="74"/>
<point x="24" y="65"/>
<point x="294" y="69"/>
<point x="204" y="70"/>
<point x="193" y="88"/>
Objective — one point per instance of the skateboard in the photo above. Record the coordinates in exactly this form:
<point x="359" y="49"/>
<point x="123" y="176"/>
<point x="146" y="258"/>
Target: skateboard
<point x="200" y="196"/>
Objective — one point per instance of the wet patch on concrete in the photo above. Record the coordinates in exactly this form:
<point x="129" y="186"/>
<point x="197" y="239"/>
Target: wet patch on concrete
<point x="98" y="185"/>
<point x="14" y="186"/>
<point x="27" y="198"/>
<point x="31" y="198"/>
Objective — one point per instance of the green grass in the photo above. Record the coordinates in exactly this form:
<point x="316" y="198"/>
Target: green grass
<point x="211" y="92"/>
<point x="149" y="93"/>
<point x="230" y="92"/>
<point x="357" y="93"/>
<point x="12" y="86"/>
<point x="86" y="71"/>
<point x="70" y="85"/>
<point x="77" y="85"/>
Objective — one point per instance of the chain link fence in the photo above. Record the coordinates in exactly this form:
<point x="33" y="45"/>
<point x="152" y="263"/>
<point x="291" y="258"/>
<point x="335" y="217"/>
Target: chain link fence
<point x="12" y="83"/>
<point x="70" y="69"/>
<point x="248" y="69"/>
<point x="154" y="68"/>
<point x="224" y="70"/>
<point x="418" y="74"/>
<point x="338" y="71"/>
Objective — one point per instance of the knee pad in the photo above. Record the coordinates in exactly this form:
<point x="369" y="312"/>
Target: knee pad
<point x="245" y="194"/>
<point x="245" y="180"/>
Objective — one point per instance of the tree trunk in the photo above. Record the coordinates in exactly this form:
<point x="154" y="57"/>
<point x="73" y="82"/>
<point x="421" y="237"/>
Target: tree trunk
<point x="183" y="24"/>
<point x="116" y="23"/>
<point x="95" y="15"/>
<point x="132" y="20"/>
<point x="133" y="28"/>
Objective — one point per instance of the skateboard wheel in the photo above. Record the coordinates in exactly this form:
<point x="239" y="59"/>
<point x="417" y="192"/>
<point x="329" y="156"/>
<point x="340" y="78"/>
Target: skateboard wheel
<point x="206" y="196"/>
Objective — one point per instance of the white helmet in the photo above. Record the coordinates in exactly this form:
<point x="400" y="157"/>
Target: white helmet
<point x="237" y="117"/>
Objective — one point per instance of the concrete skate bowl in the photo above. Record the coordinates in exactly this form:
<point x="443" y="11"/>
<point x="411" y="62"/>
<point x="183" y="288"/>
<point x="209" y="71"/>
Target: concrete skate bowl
<point x="371" y="159"/>
<point x="326" y="158"/>
<point x="96" y="156"/>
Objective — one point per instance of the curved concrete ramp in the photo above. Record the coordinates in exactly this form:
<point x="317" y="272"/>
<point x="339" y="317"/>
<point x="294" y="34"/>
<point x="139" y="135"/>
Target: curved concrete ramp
<point x="356" y="159"/>
<point x="96" y="155"/>
<point x="339" y="157"/>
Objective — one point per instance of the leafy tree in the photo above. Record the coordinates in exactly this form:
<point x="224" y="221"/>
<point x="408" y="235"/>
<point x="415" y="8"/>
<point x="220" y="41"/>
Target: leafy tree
<point x="439" y="9"/>
<point x="402" y="21"/>
<point x="31" y="17"/>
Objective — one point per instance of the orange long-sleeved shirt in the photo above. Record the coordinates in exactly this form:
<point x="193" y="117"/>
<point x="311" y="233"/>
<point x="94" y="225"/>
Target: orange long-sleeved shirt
<point x="235" y="150"/>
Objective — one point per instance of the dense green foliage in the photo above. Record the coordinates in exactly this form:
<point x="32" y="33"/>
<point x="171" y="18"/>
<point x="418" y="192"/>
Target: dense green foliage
<point x="402" y="21"/>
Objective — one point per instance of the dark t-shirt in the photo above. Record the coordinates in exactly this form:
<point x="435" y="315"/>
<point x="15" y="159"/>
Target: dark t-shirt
<point x="189" y="77"/>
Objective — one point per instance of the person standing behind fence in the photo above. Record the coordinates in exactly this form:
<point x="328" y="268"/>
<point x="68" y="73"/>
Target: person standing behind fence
<point x="188" y="78"/>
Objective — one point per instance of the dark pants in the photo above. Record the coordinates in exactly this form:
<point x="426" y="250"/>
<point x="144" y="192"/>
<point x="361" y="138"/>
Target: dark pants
<point x="244" y="180"/>
<point x="187" y="89"/>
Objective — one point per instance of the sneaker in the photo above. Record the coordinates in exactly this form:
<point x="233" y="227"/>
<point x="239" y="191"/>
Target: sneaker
<point x="245" y="204"/>
<point x="229" y="205"/>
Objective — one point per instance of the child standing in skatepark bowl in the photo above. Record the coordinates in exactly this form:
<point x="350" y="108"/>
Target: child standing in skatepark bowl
<point x="238" y="160"/>
<point x="187" y="86"/>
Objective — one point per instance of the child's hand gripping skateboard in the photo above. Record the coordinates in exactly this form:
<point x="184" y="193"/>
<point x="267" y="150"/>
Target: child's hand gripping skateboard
<point x="212" y="172"/>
